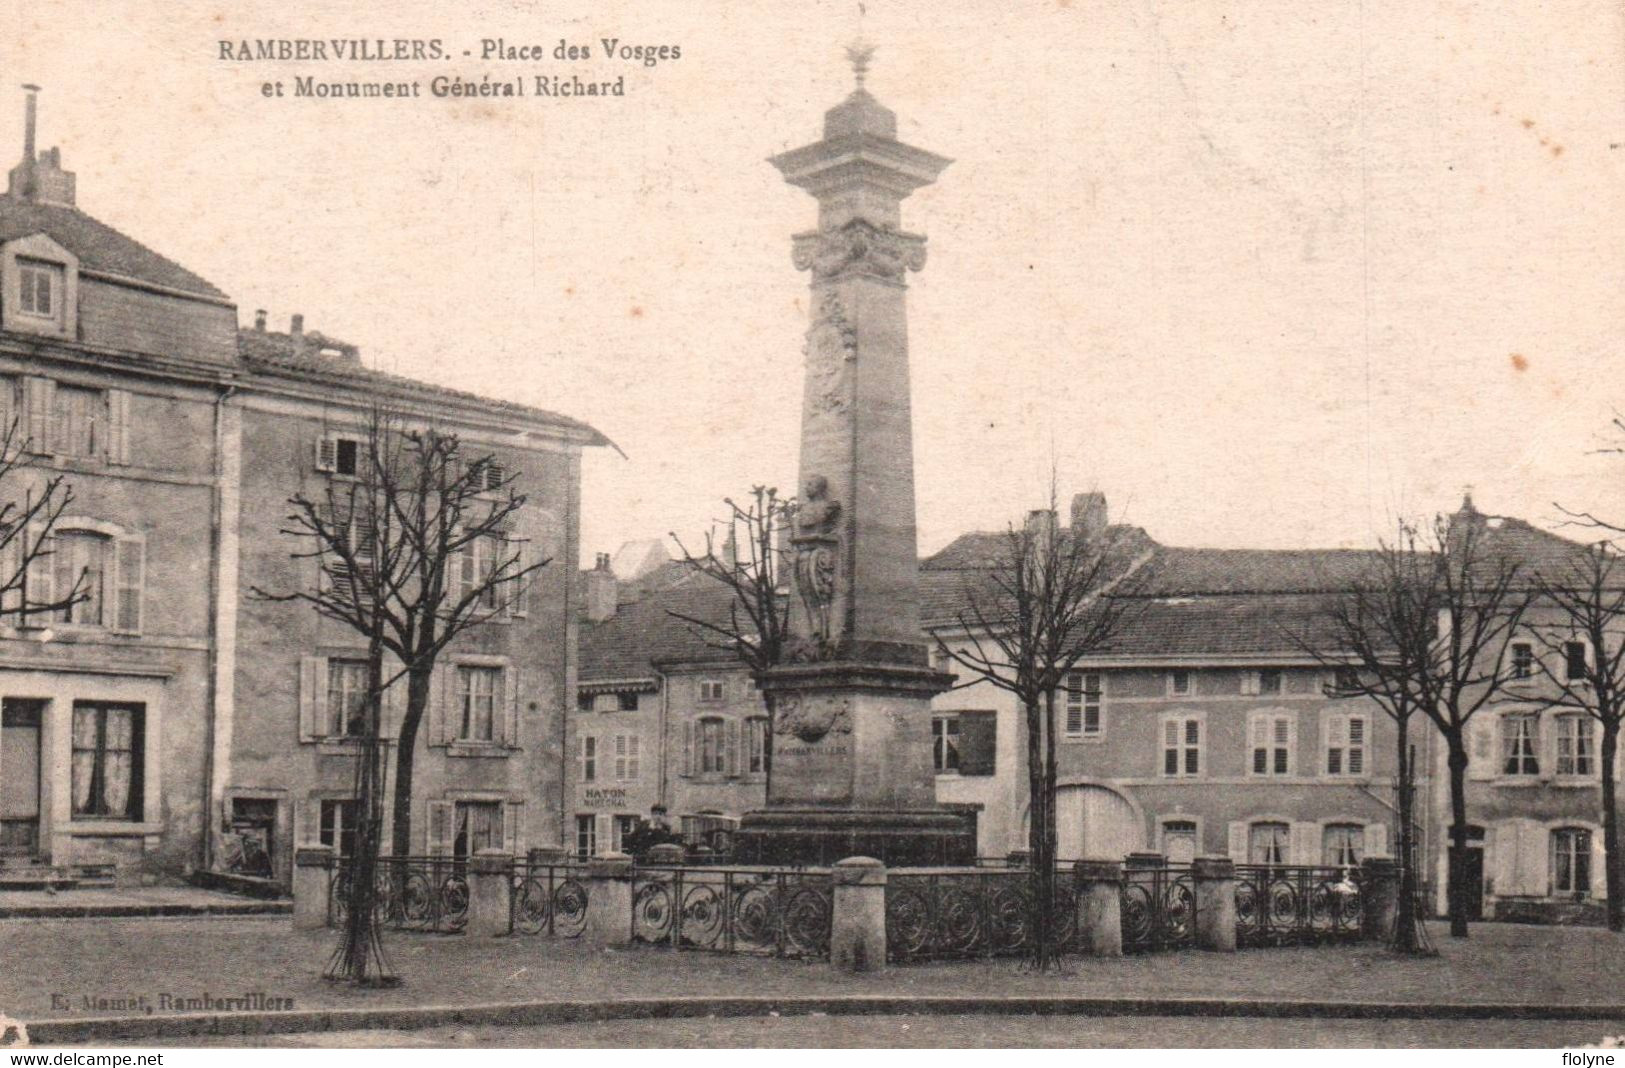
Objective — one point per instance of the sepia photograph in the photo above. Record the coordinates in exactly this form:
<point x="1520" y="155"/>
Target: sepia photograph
<point x="843" y="524"/>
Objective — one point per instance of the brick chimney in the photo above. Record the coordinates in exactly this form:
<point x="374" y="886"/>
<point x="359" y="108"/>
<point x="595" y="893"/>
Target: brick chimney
<point x="598" y="599"/>
<point x="39" y="176"/>
<point x="296" y="327"/>
<point x="1040" y="522"/>
<point x="1089" y="515"/>
<point x="259" y="320"/>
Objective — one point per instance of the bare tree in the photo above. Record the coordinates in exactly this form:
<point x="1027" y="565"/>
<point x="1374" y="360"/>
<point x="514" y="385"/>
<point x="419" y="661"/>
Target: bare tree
<point x="1377" y="635"/>
<point x="1052" y="596"/>
<point x="30" y="508"/>
<point x="414" y="550"/>
<point x="751" y="565"/>
<point x="1584" y="667"/>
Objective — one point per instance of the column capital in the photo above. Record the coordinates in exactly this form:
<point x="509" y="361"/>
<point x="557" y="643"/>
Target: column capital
<point x="857" y="247"/>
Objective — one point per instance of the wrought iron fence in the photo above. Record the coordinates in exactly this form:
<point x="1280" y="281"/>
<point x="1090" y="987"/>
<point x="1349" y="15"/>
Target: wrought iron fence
<point x="981" y="912"/>
<point x="1279" y="905"/>
<point x="548" y="899"/>
<point x="773" y="912"/>
<point x="1158" y="908"/>
<point x="412" y="893"/>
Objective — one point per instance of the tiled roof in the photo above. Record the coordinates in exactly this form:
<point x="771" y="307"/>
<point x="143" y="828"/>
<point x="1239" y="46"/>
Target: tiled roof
<point x="98" y="246"/>
<point x="643" y="632"/>
<point x="270" y="352"/>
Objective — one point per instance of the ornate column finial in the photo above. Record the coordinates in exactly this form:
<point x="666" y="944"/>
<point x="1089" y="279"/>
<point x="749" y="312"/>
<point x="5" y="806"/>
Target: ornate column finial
<point x="858" y="53"/>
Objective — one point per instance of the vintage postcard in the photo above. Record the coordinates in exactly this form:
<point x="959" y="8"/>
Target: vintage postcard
<point x="833" y="524"/>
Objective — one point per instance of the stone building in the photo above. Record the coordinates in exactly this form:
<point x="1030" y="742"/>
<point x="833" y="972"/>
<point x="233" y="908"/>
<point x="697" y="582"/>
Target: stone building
<point x="172" y="720"/>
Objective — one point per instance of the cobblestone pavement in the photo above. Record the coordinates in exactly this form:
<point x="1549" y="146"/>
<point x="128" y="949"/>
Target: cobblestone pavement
<point x="227" y="957"/>
<point x="973" y="1032"/>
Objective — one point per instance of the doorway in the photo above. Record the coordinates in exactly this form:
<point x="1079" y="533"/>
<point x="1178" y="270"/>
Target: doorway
<point x="20" y="720"/>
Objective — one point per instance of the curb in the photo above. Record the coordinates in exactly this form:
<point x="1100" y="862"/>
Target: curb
<point x="70" y="912"/>
<point x="181" y="1025"/>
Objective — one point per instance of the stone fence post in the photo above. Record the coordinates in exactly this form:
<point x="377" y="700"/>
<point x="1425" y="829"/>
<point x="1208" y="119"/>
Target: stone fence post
<point x="609" y="899"/>
<point x="1213" y="886"/>
<point x="857" y="940"/>
<point x="312" y="880"/>
<point x="1100" y="907"/>
<point x="1379" y="898"/>
<point x="490" y="882"/>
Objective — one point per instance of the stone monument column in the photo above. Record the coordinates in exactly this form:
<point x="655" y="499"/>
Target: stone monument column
<point x="852" y="768"/>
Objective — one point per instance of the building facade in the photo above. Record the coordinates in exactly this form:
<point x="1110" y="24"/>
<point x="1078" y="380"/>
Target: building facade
<point x="173" y="718"/>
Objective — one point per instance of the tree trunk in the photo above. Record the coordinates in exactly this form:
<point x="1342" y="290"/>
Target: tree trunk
<point x="417" y="701"/>
<point x="1405" y="939"/>
<point x="1613" y="875"/>
<point x="1049" y="950"/>
<point x="1037" y="820"/>
<point x="770" y="704"/>
<point x="1456" y="887"/>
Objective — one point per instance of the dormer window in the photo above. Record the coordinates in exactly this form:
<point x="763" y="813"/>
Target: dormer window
<point x="40" y="288"/>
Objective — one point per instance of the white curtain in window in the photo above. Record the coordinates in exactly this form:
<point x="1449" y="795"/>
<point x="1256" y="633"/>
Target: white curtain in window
<point x="119" y="761"/>
<point x="84" y="757"/>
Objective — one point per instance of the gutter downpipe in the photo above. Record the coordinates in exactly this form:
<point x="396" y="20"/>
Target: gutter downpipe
<point x="213" y="763"/>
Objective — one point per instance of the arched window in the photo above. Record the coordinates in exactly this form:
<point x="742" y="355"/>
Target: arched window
<point x="79" y="561"/>
<point x="95" y="564"/>
<point x="1571" y="861"/>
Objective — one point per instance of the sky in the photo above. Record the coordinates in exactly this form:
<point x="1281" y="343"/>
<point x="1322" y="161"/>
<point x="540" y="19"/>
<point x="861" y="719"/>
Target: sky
<point x="1267" y="274"/>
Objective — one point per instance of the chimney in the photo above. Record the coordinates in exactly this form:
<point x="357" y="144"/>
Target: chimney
<point x="296" y="328"/>
<point x="1463" y="525"/>
<point x="730" y="547"/>
<point x="259" y="320"/>
<point x="39" y="176"/>
<point x="600" y="593"/>
<point x="1089" y="516"/>
<point x="1041" y="522"/>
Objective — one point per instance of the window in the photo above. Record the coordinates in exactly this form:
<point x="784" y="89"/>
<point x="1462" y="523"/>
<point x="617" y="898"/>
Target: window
<point x="711" y="690"/>
<point x="1345" y="680"/>
<point x="78" y="562"/>
<point x="1523" y="660"/>
<point x="622" y="827"/>
<point x="1571" y="861"/>
<point x="1267" y="843"/>
<point x="478" y="826"/>
<point x="1179" y="841"/>
<point x="1574" y="656"/>
<point x="41" y="285"/>
<point x="586" y="835"/>
<point x="1576" y="745"/>
<point x="107" y="760"/>
<point x="945" y="743"/>
<point x="1520" y="734"/>
<point x="1341" y="845"/>
<point x="626" y="757"/>
<point x="339" y="455"/>
<point x="475" y="564"/>
<point x="587" y="755"/>
<point x="1267" y="681"/>
<point x="756" y="745"/>
<point x="1179" y="683"/>
<point x="479" y="695"/>
<point x="346" y="698"/>
<point x="1272" y="744"/>
<point x="1345" y="745"/>
<point x="626" y="702"/>
<point x="338" y="826"/>
<point x="584" y="702"/>
<point x="1181" y="746"/>
<point x="79" y="422"/>
<point x="1083" y="704"/>
<point x="97" y="567"/>
<point x="711" y="754"/>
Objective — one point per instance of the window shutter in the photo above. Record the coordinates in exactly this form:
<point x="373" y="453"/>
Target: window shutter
<point x="129" y="575"/>
<point x="510" y="685"/>
<point x="731" y="756"/>
<point x="1599" y="867"/>
<point x="437" y="829"/>
<point x="39" y="397"/>
<point x="11" y="558"/>
<point x="1303" y="844"/>
<point x="393" y="711"/>
<point x="433" y="715"/>
<point x="40" y="582"/>
<point x="519" y="595"/>
<point x="688" y="747"/>
<point x="451" y="712"/>
<point x="312" y="698"/>
<point x="632" y="761"/>
<point x="1376" y="840"/>
<point x="1504" y="858"/>
<point x="118" y="419"/>
<point x="605" y="833"/>
<point x="978" y="734"/>
<point x="513" y="829"/>
<point x="1483" y="748"/>
<point x="327" y="453"/>
<point x="1286" y="733"/>
<point x="1238" y="841"/>
<point x="1534" y="858"/>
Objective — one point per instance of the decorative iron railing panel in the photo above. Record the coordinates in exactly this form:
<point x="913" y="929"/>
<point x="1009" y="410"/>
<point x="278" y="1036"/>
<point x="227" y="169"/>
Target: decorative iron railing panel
<point x="1158" y="908"/>
<point x="547" y="899"/>
<point x="1279" y="905"/>
<point x="413" y="893"/>
<point x="981" y="912"/>
<point x="734" y="910"/>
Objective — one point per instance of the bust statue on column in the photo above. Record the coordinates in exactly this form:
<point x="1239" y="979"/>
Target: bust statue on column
<point x="817" y="543"/>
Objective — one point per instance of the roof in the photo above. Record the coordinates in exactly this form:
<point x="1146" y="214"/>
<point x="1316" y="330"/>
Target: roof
<point x="98" y="246"/>
<point x="271" y="352"/>
<point x="643" y="633"/>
